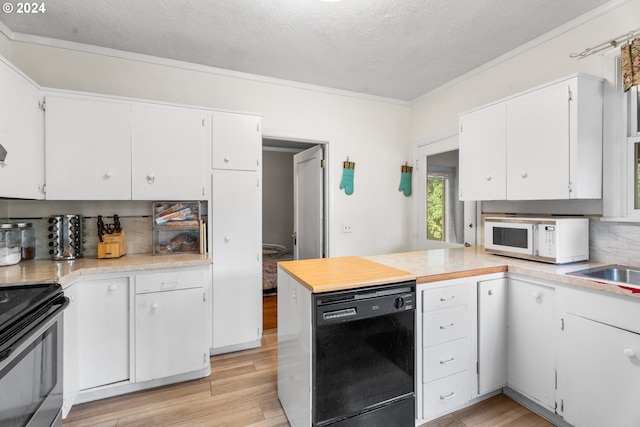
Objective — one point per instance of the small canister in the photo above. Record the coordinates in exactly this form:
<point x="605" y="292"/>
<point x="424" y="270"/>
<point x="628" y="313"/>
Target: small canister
<point x="10" y="244"/>
<point x="28" y="240"/>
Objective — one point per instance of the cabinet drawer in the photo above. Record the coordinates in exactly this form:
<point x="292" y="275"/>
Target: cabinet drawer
<point x="445" y="359"/>
<point x="449" y="296"/>
<point x="445" y="325"/>
<point x="171" y="280"/>
<point x="445" y="394"/>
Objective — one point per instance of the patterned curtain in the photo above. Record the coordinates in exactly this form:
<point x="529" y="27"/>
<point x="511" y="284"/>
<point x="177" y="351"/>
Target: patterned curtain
<point x="630" y="53"/>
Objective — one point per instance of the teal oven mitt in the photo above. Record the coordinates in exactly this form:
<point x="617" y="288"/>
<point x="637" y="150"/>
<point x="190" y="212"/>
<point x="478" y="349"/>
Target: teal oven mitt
<point x="405" y="183"/>
<point x="347" y="180"/>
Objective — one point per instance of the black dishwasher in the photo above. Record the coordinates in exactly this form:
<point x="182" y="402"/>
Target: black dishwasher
<point x="363" y="358"/>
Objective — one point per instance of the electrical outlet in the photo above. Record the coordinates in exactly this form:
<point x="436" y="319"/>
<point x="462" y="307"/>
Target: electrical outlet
<point x="346" y="228"/>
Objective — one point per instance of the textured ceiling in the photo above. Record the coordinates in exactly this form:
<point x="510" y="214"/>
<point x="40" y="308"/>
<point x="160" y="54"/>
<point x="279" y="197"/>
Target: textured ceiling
<point x="393" y="48"/>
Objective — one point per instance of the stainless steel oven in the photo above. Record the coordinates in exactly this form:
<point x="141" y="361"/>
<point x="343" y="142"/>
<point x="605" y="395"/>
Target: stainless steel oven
<point x="31" y="355"/>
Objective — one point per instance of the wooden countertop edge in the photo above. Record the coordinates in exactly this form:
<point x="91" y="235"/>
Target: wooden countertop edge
<point x="319" y="289"/>
<point x="461" y="274"/>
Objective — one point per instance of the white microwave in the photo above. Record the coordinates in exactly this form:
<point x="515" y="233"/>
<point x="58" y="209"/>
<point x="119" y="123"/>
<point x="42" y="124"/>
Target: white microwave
<point x="553" y="240"/>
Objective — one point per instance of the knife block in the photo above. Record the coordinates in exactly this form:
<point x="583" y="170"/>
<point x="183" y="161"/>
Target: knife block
<point x="113" y="245"/>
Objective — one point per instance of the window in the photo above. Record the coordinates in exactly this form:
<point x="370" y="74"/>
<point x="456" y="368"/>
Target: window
<point x="442" y="206"/>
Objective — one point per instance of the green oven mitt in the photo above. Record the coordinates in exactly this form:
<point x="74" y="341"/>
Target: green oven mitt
<point x="405" y="183"/>
<point x="347" y="181"/>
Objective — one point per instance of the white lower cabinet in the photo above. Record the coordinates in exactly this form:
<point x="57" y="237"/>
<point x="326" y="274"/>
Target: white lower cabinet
<point x="446" y="346"/>
<point x="117" y="335"/>
<point x="492" y="335"/>
<point x="531" y="364"/>
<point x="602" y="374"/>
<point x="170" y="324"/>
<point x="103" y="331"/>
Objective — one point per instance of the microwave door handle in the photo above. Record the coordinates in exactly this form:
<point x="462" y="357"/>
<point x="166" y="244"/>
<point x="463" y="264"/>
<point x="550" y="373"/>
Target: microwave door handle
<point x="534" y="239"/>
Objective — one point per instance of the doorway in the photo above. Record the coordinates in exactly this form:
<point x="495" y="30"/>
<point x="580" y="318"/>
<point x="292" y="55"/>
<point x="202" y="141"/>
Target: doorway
<point x="293" y="226"/>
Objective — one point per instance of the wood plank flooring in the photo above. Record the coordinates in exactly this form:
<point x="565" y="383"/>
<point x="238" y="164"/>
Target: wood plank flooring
<point x="242" y="392"/>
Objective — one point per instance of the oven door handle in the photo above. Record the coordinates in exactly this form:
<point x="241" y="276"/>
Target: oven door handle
<point x="60" y="305"/>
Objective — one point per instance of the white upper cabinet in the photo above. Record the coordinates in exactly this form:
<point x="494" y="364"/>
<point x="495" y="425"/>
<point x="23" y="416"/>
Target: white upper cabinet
<point x="168" y="146"/>
<point x="553" y="144"/>
<point x="88" y="148"/>
<point x="237" y="139"/>
<point x="21" y="135"/>
<point x="483" y="154"/>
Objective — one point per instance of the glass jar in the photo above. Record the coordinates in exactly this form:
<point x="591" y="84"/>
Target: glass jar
<point x="10" y="244"/>
<point x="28" y="237"/>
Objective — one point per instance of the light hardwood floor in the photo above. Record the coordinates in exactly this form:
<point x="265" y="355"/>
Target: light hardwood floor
<point x="241" y="392"/>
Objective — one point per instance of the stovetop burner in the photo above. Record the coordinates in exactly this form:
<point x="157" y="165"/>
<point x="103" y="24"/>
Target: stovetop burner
<point x="18" y="300"/>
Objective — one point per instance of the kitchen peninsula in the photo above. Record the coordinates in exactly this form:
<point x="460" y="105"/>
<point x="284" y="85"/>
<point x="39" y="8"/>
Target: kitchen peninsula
<point x="485" y="324"/>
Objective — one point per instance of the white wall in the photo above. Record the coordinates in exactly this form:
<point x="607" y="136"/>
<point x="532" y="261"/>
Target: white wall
<point x="374" y="133"/>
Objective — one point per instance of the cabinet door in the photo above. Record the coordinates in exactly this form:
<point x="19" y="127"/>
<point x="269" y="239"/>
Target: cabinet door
<point x="531" y="337"/>
<point x="88" y="149"/>
<point x="602" y="374"/>
<point x="169" y="331"/>
<point x="236" y="246"/>
<point x="237" y="141"/>
<point x="538" y="150"/>
<point x="167" y="153"/>
<point x="103" y="333"/>
<point x="492" y="335"/>
<point x="71" y="346"/>
<point x="483" y="154"/>
<point x="21" y="135"/>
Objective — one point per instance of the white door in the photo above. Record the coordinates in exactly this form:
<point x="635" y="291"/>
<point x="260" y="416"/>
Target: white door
<point x="308" y="218"/>
<point x="492" y="335"/>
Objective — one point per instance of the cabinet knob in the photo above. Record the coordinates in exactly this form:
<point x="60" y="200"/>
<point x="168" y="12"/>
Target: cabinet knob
<point x="489" y="177"/>
<point x="524" y="174"/>
<point x="490" y="292"/>
<point x="535" y="295"/>
<point x="227" y="159"/>
<point x="107" y="175"/>
<point x="151" y="178"/>
<point x="112" y="288"/>
<point x="227" y="239"/>
<point x="155" y="306"/>
<point x="629" y="353"/>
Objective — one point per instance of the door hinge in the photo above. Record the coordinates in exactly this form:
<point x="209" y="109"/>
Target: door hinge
<point x="562" y="324"/>
<point x="204" y="359"/>
<point x="323" y="163"/>
<point x="258" y="183"/>
<point x="204" y="297"/>
<point x="203" y="122"/>
<point x="477" y="368"/>
<point x="570" y="187"/>
<point x="569" y="93"/>
<point x="204" y="191"/>
<point x="258" y="127"/>
<point x="460" y="128"/>
<point x="556" y="379"/>
<point x="44" y="189"/>
<point x="562" y="406"/>
<point x="43" y="104"/>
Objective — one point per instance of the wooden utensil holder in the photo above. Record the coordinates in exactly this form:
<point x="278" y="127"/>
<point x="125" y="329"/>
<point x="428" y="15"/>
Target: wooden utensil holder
<point x="113" y="245"/>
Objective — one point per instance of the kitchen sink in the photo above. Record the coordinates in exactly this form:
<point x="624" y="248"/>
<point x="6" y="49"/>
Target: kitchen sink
<point x="611" y="273"/>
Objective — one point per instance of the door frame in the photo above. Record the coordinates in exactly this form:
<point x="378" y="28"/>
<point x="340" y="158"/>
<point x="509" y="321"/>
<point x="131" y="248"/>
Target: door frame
<point x="307" y="139"/>
<point x="436" y="146"/>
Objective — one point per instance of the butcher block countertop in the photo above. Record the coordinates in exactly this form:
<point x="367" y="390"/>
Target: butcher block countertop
<point x="333" y="274"/>
<point x="65" y="272"/>
<point x="337" y="274"/>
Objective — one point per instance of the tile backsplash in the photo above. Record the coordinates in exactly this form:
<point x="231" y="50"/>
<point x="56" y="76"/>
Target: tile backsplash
<point x="614" y="242"/>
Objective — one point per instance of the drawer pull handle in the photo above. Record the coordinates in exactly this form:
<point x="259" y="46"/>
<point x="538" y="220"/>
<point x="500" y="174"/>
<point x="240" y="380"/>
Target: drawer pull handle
<point x="445" y="362"/>
<point x="112" y="288"/>
<point x="629" y="353"/>
<point x="169" y="285"/>
<point x="155" y="306"/>
<point x="447" y="326"/>
<point x="448" y="396"/>
<point x="443" y="299"/>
